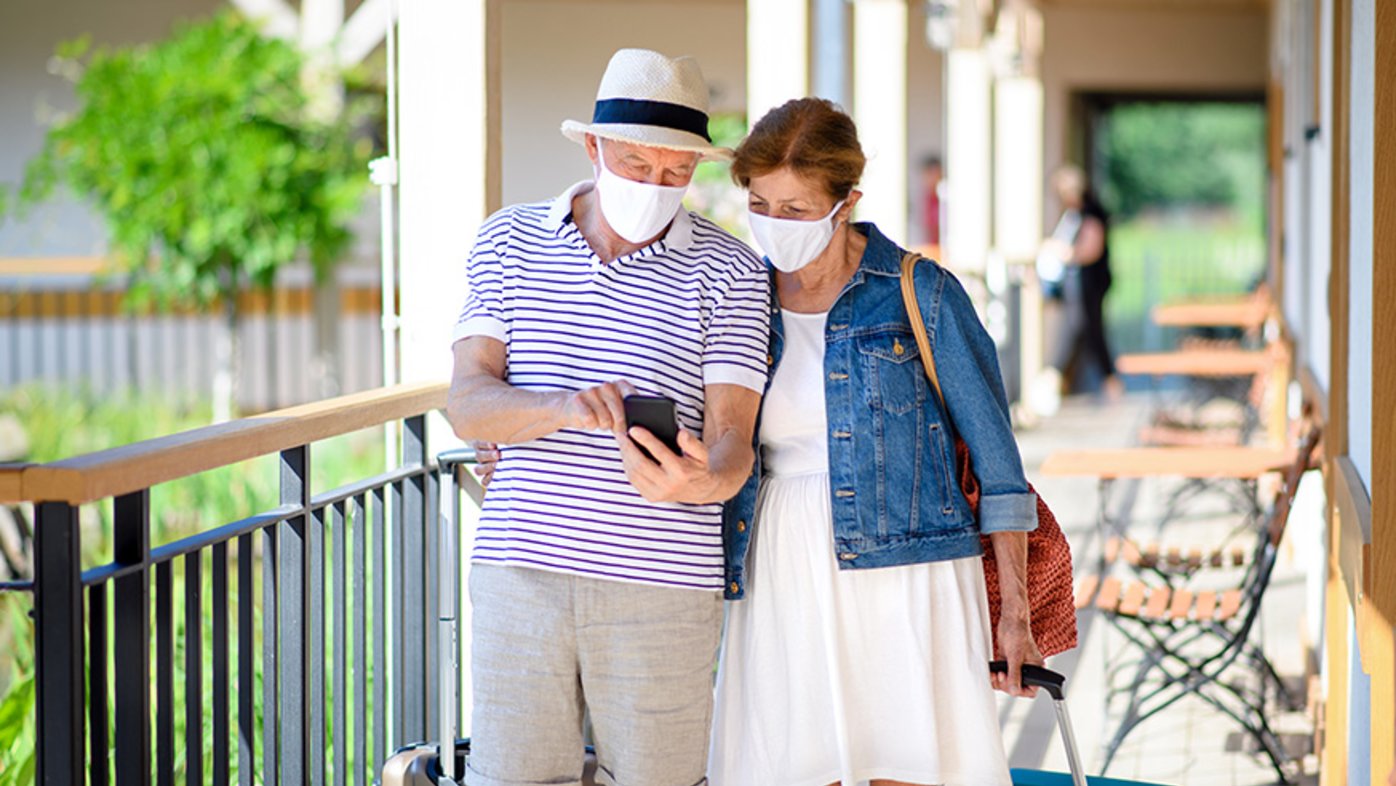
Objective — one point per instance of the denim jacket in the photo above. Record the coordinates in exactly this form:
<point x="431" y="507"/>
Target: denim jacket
<point x="895" y="497"/>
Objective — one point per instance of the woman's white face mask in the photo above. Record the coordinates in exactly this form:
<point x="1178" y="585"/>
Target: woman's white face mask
<point x="790" y="243"/>
<point x="636" y="211"/>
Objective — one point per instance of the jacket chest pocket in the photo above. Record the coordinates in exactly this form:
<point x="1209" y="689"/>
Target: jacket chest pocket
<point x="894" y="381"/>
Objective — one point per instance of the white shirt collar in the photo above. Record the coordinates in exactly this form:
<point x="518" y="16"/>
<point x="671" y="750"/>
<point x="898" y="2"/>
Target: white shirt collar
<point x="679" y="236"/>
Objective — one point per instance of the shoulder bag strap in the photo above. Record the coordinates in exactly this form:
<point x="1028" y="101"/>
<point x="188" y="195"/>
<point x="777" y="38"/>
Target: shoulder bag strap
<point x="918" y="324"/>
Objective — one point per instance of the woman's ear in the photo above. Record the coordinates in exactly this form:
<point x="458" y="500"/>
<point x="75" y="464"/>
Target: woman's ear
<point x="849" y="202"/>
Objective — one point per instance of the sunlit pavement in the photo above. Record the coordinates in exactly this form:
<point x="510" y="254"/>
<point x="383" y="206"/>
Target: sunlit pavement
<point x="1189" y="744"/>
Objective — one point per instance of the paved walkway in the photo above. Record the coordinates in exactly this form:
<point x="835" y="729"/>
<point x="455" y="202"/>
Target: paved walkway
<point x="1190" y="744"/>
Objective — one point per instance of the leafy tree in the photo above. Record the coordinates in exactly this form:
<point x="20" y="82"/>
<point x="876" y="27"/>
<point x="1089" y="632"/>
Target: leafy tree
<point x="204" y="157"/>
<point x="1170" y="154"/>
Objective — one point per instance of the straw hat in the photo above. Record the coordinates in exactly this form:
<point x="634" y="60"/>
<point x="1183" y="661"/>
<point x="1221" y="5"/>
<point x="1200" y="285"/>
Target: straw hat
<point x="649" y="99"/>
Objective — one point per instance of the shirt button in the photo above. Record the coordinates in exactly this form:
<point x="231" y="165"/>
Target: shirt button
<point x="735" y="587"/>
<point x="741" y="526"/>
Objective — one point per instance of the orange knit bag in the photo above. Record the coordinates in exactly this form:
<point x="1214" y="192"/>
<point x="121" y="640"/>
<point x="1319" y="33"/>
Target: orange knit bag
<point x="1050" y="596"/>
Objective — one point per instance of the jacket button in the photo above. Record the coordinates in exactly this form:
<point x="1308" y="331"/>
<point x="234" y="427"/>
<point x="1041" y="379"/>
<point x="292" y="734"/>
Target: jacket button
<point x="843" y="493"/>
<point x="848" y="555"/>
<point x="770" y="360"/>
<point x="897" y="347"/>
<point x="837" y="376"/>
<point x="735" y="587"/>
<point x="842" y="434"/>
<point x="741" y="526"/>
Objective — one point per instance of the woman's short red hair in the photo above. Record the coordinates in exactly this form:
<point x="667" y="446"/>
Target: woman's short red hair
<point x="811" y="136"/>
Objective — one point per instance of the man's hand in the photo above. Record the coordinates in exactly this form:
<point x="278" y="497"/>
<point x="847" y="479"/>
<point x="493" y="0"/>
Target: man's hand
<point x="597" y="408"/>
<point x="668" y="477"/>
<point x="707" y="469"/>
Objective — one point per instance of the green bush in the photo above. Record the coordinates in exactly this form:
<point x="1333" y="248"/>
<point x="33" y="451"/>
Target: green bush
<point x="66" y="422"/>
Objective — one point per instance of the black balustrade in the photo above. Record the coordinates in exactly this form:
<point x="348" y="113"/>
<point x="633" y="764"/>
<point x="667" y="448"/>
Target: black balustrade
<point x="337" y="625"/>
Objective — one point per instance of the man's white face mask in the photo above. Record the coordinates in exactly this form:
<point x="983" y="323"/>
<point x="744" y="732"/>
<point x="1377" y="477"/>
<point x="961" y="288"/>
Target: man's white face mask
<point x="790" y="243"/>
<point x="636" y="211"/>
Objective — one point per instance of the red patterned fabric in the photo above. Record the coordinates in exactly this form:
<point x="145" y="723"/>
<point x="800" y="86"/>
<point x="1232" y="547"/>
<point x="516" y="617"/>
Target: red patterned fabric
<point x="1050" y="592"/>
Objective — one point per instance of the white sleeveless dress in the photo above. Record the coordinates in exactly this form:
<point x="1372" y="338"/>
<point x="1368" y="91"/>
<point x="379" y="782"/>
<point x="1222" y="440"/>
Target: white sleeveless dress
<point x="832" y="676"/>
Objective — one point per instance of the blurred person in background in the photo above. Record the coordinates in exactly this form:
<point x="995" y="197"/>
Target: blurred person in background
<point x="1074" y="268"/>
<point x="932" y="172"/>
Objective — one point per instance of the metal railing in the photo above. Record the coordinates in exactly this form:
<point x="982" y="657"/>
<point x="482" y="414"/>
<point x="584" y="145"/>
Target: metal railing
<point x="325" y="596"/>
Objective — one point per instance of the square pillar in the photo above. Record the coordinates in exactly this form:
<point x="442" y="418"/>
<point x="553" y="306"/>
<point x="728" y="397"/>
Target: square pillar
<point x="879" y="108"/>
<point x="777" y="54"/>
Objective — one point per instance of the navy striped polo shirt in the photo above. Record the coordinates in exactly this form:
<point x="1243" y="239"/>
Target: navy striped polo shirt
<point x="689" y="310"/>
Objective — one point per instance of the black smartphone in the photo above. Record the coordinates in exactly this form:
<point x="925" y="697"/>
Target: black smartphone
<point x="656" y="413"/>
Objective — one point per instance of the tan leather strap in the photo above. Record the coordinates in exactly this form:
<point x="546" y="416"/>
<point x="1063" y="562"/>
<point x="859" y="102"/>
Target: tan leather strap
<point x="918" y="325"/>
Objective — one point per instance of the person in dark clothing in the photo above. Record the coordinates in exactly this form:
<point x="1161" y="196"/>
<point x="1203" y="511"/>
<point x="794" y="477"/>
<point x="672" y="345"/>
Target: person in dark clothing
<point x="1075" y="268"/>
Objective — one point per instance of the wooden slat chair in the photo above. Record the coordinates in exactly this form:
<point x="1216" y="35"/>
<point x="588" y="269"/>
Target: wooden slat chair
<point x="1172" y="562"/>
<point x="1192" y="637"/>
<point x="1231" y="470"/>
<point x="1232" y="380"/>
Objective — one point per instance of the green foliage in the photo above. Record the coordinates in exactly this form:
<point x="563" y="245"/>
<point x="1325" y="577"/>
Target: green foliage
<point x="1155" y="262"/>
<point x="204" y="158"/>
<point x="64" y="422"/>
<point x="1183" y="154"/>
<point x="17" y="756"/>
<point x="712" y="193"/>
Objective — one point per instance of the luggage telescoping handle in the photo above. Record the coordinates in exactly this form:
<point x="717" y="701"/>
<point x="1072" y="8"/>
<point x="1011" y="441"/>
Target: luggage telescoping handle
<point x="450" y="463"/>
<point x="1054" y="684"/>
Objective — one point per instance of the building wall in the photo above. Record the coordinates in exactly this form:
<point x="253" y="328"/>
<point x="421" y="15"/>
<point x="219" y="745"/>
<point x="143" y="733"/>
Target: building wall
<point x="1360" y="283"/>
<point x="30" y="96"/>
<point x="1095" y="46"/>
<point x="555" y="51"/>
<point x="925" y="84"/>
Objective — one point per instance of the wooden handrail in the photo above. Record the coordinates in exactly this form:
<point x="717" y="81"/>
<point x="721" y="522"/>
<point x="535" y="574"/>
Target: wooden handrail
<point x="122" y="470"/>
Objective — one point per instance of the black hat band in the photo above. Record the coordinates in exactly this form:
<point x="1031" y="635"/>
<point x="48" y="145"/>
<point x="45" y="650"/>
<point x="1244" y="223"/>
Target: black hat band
<point x="652" y="113"/>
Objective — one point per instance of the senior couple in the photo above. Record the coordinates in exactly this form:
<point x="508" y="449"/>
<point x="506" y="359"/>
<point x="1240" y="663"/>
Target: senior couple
<point x="814" y="485"/>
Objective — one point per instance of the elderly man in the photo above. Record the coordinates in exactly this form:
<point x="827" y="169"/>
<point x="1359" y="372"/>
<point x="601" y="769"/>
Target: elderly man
<point x="598" y="567"/>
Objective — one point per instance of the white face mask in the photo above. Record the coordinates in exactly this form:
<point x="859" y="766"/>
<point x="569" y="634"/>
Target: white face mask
<point x="636" y="211"/>
<point x="789" y="243"/>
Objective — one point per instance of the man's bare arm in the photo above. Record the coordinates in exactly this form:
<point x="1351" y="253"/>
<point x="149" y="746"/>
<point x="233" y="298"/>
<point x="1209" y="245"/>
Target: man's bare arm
<point x="482" y="406"/>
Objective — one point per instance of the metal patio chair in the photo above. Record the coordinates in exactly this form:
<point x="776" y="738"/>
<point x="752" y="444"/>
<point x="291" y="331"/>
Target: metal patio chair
<point x="1193" y="637"/>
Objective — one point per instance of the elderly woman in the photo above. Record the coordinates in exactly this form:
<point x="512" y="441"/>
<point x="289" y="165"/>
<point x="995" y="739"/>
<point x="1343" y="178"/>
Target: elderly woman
<point x="860" y="650"/>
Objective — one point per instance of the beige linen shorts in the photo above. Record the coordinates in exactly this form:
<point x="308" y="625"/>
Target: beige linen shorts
<point x="547" y="646"/>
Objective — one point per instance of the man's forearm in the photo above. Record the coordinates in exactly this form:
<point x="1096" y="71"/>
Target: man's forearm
<point x="491" y="410"/>
<point x="729" y="465"/>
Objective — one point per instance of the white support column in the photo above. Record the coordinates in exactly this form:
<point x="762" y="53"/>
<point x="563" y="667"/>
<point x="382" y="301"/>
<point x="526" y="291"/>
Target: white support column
<point x="1018" y="168"/>
<point x="879" y="108"/>
<point x="1018" y="179"/>
<point x="777" y="54"/>
<point x="448" y="120"/>
<point x="967" y="159"/>
<point x="449" y="175"/>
